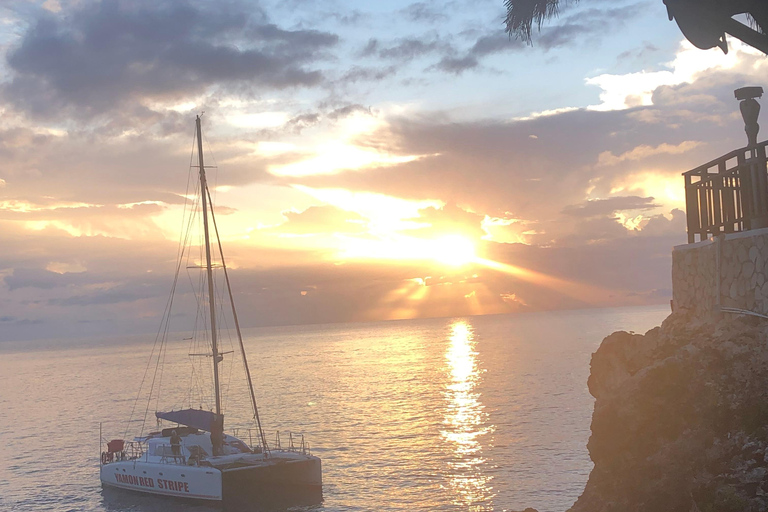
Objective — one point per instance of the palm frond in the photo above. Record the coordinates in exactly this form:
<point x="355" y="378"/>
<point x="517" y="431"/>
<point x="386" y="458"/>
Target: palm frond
<point x="523" y="14"/>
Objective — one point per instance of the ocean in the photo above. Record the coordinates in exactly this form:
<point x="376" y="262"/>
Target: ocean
<point x="474" y="413"/>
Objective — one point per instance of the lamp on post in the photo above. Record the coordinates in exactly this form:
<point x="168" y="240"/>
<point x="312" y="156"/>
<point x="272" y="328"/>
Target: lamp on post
<point x="750" y="110"/>
<point x="753" y="177"/>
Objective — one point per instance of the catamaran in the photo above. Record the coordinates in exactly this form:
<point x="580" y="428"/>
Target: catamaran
<point x="193" y="457"/>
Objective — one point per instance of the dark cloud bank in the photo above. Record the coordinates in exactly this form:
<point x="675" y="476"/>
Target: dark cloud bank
<point x="100" y="56"/>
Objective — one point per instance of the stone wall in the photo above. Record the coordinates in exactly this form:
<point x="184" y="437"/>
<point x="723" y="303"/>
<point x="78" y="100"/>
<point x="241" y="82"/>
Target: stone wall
<point x="728" y="271"/>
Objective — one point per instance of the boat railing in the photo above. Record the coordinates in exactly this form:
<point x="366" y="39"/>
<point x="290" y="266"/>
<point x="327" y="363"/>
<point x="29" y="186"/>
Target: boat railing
<point x="240" y="433"/>
<point x="167" y="456"/>
<point x="252" y="434"/>
<point x="129" y="450"/>
<point x="134" y="450"/>
<point x="296" y="443"/>
<point x="728" y="194"/>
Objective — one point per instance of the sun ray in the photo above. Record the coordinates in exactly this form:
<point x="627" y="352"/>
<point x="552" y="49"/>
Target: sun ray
<point x="574" y="289"/>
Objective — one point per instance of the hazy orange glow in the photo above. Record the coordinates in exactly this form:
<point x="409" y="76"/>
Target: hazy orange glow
<point x="663" y="186"/>
<point x="338" y="149"/>
<point x="334" y="157"/>
<point x="387" y="213"/>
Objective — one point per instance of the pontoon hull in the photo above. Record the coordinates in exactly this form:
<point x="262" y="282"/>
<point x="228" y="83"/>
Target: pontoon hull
<point x="305" y="472"/>
<point x="280" y="483"/>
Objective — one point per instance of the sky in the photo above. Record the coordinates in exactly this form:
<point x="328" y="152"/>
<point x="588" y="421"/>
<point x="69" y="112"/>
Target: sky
<point x="370" y="160"/>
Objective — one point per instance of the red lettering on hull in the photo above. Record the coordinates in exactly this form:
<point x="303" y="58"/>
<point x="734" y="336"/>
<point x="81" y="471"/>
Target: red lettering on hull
<point x="135" y="480"/>
<point x="140" y="481"/>
<point x="172" y="485"/>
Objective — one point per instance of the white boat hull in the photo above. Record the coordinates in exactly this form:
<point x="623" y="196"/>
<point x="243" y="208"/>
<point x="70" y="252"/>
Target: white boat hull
<point x="201" y="483"/>
<point x="292" y="472"/>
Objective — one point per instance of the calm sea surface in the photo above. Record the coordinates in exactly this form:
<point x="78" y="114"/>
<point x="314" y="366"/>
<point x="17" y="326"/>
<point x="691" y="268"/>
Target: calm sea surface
<point x="478" y="413"/>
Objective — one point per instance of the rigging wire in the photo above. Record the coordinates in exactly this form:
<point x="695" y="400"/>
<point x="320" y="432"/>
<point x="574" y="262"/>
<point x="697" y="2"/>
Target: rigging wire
<point x="224" y="328"/>
<point x="167" y="314"/>
<point x="223" y="325"/>
<point x="200" y="333"/>
<point x="184" y="238"/>
<point x="212" y="156"/>
<point x="263" y="439"/>
<point x="192" y="348"/>
<point x="196" y="344"/>
<point x="167" y="309"/>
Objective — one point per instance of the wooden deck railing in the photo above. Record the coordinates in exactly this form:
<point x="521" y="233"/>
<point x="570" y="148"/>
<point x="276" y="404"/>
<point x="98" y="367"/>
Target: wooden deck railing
<point x="728" y="194"/>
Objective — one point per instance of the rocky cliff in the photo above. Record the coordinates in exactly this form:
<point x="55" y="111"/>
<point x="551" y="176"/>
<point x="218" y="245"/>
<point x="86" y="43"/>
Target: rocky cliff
<point x="681" y="418"/>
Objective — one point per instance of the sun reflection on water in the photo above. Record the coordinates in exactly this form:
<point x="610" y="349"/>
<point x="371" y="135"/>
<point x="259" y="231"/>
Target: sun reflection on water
<point x="466" y="422"/>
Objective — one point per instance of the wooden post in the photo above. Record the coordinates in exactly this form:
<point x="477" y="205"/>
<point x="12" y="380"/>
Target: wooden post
<point x="691" y="209"/>
<point x="760" y="180"/>
<point x="717" y="191"/>
<point x="703" y="207"/>
<point x="745" y="180"/>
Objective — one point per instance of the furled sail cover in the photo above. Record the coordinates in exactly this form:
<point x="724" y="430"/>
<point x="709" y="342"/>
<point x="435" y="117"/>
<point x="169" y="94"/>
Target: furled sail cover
<point x="197" y="418"/>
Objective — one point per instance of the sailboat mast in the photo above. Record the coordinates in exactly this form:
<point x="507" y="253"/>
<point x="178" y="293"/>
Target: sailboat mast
<point x="240" y="337"/>
<point x="208" y="267"/>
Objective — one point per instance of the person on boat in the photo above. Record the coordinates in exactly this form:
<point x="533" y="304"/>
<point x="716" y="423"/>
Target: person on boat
<point x="217" y="441"/>
<point x="175" y="444"/>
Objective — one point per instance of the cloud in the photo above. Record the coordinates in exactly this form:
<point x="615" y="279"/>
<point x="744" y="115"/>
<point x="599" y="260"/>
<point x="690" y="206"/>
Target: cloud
<point x="573" y="30"/>
<point x="348" y="110"/>
<point x="99" y="56"/>
<point x="602" y="207"/>
<point x="423" y="12"/>
<point x="594" y="195"/>
<point x="455" y="57"/>
<point x="20" y="321"/>
<point x="641" y="53"/>
<point x="298" y="123"/>
<point x="305" y="120"/>
<point x="451" y="58"/>
<point x="130" y="169"/>
<point x="494" y="43"/>
<point x="705" y="70"/>
<point x="491" y="43"/>
<point x="448" y="220"/>
<point x="659" y="225"/>
<point x="120" y="293"/>
<point x="644" y="151"/>
<point x="320" y="220"/>
<point x="123" y="221"/>
<point x="585" y="25"/>
<point x="35" y="278"/>
<point x="601" y="165"/>
<point x="366" y="74"/>
<point x="494" y="167"/>
<point x="405" y="49"/>
<point x="117" y="294"/>
<point x="457" y="65"/>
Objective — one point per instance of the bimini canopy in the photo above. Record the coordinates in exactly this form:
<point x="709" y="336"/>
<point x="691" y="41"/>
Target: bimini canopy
<point x="196" y="418"/>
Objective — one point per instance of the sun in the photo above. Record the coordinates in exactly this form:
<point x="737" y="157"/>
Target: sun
<point x="449" y="250"/>
<point x="453" y="250"/>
